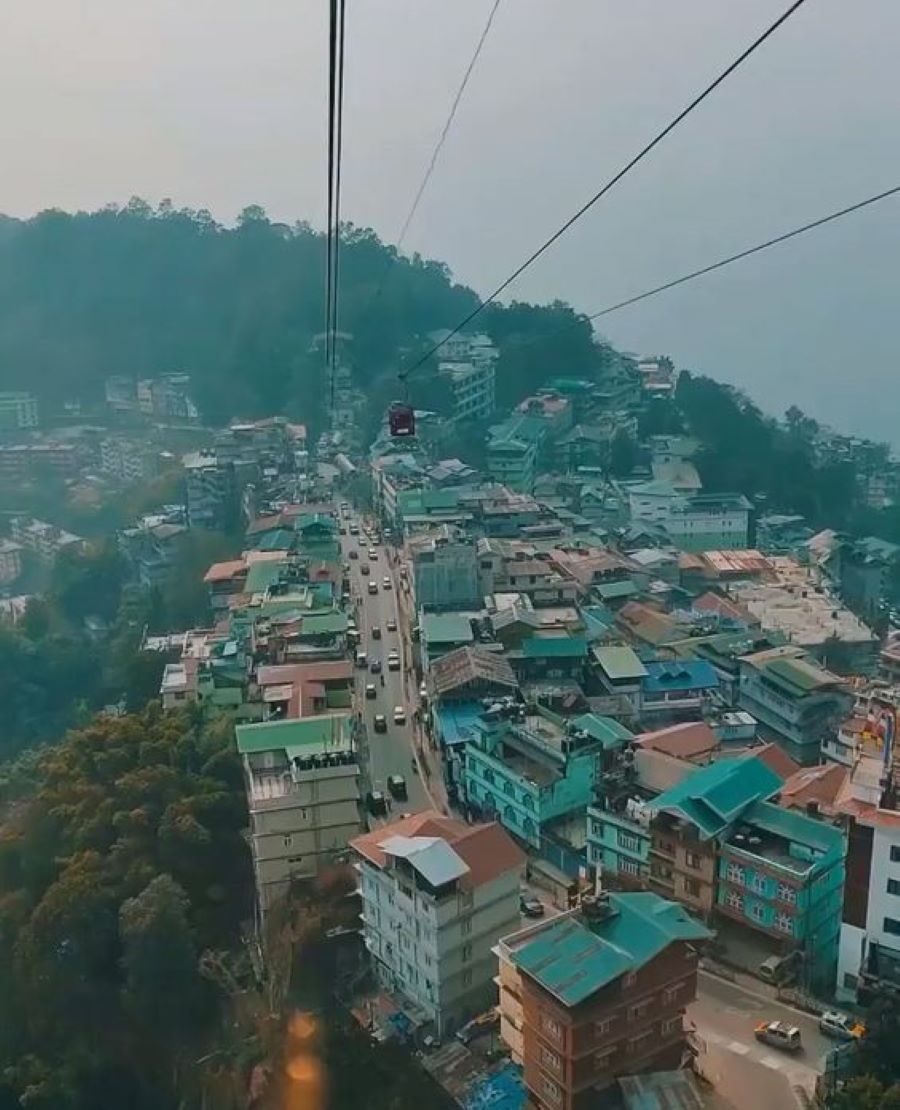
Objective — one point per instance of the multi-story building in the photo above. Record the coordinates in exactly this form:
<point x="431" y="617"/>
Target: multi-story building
<point x="472" y="386"/>
<point x="798" y="702"/>
<point x="512" y="451"/>
<point x="302" y="781"/>
<point x="18" y="411"/>
<point x="709" y="522"/>
<point x="597" y="993"/>
<point x="125" y="459"/>
<point x="211" y="493"/>
<point x="153" y="552"/>
<point x="10" y="561"/>
<point x="437" y="897"/>
<point x="445" y="573"/>
<point x="23" y="462"/>
<point x="43" y="539"/>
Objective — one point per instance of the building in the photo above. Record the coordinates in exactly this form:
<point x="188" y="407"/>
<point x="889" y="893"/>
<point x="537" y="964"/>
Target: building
<point x="28" y="462"/>
<point x="472" y="384"/>
<point x="596" y="993"/>
<point x="677" y="688"/>
<point x="302" y="781"/>
<point x="211" y="495"/>
<point x="440" y="633"/>
<point x="126" y="459"/>
<point x="153" y="552"/>
<point x="10" y="561"/>
<point x="43" y="539"/>
<point x="18" y="411"/>
<point x="437" y="895"/>
<point x="797" y="702"/>
<point x="709" y="522"/>
<point x="512" y="451"/>
<point x="445" y="573"/>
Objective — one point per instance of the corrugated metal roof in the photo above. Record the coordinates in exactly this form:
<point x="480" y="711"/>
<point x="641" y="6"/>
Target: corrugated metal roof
<point x="446" y="628"/>
<point x="304" y="734"/>
<point x="619" y="661"/>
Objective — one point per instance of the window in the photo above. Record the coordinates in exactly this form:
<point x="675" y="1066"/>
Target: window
<point x="786" y="893"/>
<point x="692" y="887"/>
<point x="672" y="1025"/>
<point x="601" y="1028"/>
<point x="735" y="873"/>
<point x="635" y="1013"/>
<point x="671" y="993"/>
<point x="552" y="1028"/>
<point x="288" y="841"/>
<point x="629" y="866"/>
<point x="893" y="886"/>
<point x="693" y="860"/>
<point x="784" y="922"/>
<point x="733" y="900"/>
<point x="466" y="952"/>
<point x="758" y="883"/>
<point x="603" y="1059"/>
<point x="629" y="980"/>
<point x="508" y="788"/>
<point x="891" y="925"/>
<point x="488" y="774"/>
<point x="465" y="926"/>
<point x="551" y="1090"/>
<point x="550" y="1059"/>
<point x="757" y="911"/>
<point x="467" y="978"/>
<point x="895" y="853"/>
<point x="628" y="841"/>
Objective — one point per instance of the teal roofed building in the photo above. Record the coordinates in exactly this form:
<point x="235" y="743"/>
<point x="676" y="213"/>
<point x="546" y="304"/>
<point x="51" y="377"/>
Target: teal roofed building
<point x="441" y="633"/>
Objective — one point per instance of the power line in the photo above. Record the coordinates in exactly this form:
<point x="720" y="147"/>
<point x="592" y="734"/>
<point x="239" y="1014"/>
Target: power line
<point x="682" y="115"/>
<point x="339" y="147"/>
<point x="332" y="51"/>
<point x="435" y="154"/>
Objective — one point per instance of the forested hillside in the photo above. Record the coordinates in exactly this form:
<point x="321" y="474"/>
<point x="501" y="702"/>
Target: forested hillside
<point x="135" y="290"/>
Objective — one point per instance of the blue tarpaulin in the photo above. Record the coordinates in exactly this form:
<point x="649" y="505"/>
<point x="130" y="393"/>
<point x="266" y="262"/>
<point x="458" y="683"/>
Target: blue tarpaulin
<point x="504" y="1090"/>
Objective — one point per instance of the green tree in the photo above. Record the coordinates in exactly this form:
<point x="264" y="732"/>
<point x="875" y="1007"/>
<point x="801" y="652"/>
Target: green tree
<point x="622" y="454"/>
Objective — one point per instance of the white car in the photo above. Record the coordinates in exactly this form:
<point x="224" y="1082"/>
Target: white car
<point x="386" y="583"/>
<point x="840" y="1026"/>
<point x="393" y="661"/>
<point x="399" y="715"/>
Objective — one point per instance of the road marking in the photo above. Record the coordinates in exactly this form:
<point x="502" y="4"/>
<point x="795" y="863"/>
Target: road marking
<point x="739" y="1049"/>
<point x="772" y="1062"/>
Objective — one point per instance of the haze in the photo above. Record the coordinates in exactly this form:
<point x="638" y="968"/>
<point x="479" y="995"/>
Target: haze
<point x="222" y="104"/>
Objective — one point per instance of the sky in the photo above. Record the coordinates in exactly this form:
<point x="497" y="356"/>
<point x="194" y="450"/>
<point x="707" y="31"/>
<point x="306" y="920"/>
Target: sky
<point x="222" y="103"/>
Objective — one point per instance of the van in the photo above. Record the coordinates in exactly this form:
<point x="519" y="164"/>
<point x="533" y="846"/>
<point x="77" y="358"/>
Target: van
<point x="362" y="660"/>
<point x="778" y="969"/>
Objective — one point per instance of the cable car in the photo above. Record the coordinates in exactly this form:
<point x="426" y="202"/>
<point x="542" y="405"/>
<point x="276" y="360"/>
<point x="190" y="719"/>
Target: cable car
<point x="401" y="420"/>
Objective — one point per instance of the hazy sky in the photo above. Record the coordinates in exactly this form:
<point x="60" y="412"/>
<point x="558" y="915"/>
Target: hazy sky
<point x="221" y="103"/>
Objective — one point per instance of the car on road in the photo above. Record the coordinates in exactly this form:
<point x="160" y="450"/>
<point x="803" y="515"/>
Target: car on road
<point x="362" y="660"/>
<point x="386" y="583"/>
<point x="373" y="586"/>
<point x="354" y="529"/>
<point x="399" y="715"/>
<point x="530" y="906"/>
<point x="375" y="666"/>
<point x="376" y="632"/>
<point x="423" y="692"/>
<point x="380" y="723"/>
<point x="490" y="1019"/>
<point x="376" y="803"/>
<point x="393" y="661"/>
<point x="373" y="554"/>
<point x="779" y="1034"/>
<point x="354" y="554"/>
<point x="397" y="786"/>
<point x="371" y="692"/>
<point x="391" y="624"/>
<point x="841" y="1027"/>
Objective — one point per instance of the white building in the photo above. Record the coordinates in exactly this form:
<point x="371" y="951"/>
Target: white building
<point x="472" y="385"/>
<point x="125" y="459"/>
<point x="302" y="779"/>
<point x="44" y="539"/>
<point x="437" y="896"/>
<point x="10" y="561"/>
<point x="18" y="411"/>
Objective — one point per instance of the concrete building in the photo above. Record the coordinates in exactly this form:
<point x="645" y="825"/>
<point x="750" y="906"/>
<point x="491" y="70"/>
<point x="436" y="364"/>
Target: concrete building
<point x="709" y="522"/>
<point x="512" y="451"/>
<point x="10" y="561"/>
<point x="437" y="897"/>
<point x="445" y="572"/>
<point x="18" y="411"/>
<point x="153" y="552"/>
<point x="28" y="462"/>
<point x="45" y="540"/>
<point x="126" y="459"/>
<point x="797" y="702"/>
<point x="472" y="386"/>
<point x="441" y="633"/>
<point x="211" y="494"/>
<point x="596" y="993"/>
<point x="302" y="780"/>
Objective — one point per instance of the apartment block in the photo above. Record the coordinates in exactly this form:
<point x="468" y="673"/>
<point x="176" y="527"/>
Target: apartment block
<point x="597" y="993"/>
<point x="18" y="411"/>
<point x="10" y="561"/>
<point x="302" y="781"/>
<point x="445" y="573"/>
<point x="210" y="492"/>
<point x="437" y="896"/>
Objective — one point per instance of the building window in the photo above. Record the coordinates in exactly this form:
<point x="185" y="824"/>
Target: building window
<point x="895" y="853"/>
<point x="671" y="993"/>
<point x="891" y="925"/>
<point x="465" y="926"/>
<point x="672" y="1025"/>
<point x="628" y="842"/>
<point x="550" y="1059"/>
<point x="757" y="911"/>
<point x="735" y="873"/>
<point x="509" y="789"/>
<point x="758" y="883"/>
<point x="893" y="886"/>
<point x="787" y="893"/>
<point x="288" y="841"/>
<point x="602" y="1060"/>
<point x="784" y="922"/>
<point x="629" y="980"/>
<point x="467" y="978"/>
<point x="635" y="1013"/>
<point x="601" y="1028"/>
<point x="551" y="1090"/>
<point x="627" y="866"/>
<point x="733" y="900"/>
<point x="487" y="774"/>
<point x="692" y="887"/>
<point x="466" y="952"/>
<point x="693" y="860"/>
<point x="552" y="1028"/>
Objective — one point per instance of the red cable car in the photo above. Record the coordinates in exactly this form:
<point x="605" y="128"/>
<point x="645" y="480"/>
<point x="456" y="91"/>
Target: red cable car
<point x="401" y="420"/>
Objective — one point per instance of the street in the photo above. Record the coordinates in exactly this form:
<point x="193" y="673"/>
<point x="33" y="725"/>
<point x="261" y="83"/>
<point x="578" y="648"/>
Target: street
<point x="752" y="1075"/>
<point x="390" y="753"/>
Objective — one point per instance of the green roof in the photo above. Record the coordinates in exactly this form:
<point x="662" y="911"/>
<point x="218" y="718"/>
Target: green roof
<point x="261" y="575"/>
<point x="798" y="828"/>
<point x="315" y="520"/>
<point x="555" y="647"/>
<point x="275" y="539"/>
<point x="801" y="676"/>
<point x="713" y="797"/>
<point x="619" y="661"/>
<point x="318" y="624"/>
<point x="446" y="628"/>
<point x="574" y="957"/>
<point x="610" y="591"/>
<point x="303" y="735"/>
<point x="609" y="732"/>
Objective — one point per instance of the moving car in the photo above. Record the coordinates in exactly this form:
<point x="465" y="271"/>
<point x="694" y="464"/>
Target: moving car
<point x="354" y="554"/>
<point x="391" y="624"/>
<point x="354" y="529"/>
<point x="376" y="804"/>
<point x="840" y="1026"/>
<point x="375" y="666"/>
<point x="362" y="660"/>
<point x="393" y="661"/>
<point x="530" y="906"/>
<point x="376" y="632"/>
<point x="363" y="569"/>
<point x="779" y="1034"/>
<point x="373" y="554"/>
<point x="371" y="692"/>
<point x="386" y="583"/>
<point x="373" y="587"/>
<point x="399" y="715"/>
<point x="423" y="692"/>
<point x="397" y="786"/>
<point x="380" y="723"/>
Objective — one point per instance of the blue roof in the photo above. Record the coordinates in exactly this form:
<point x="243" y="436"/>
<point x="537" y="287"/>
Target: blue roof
<point x="797" y="828"/>
<point x="573" y="957"/>
<point x="713" y="797"/>
<point x="456" y="720"/>
<point x="680" y="674"/>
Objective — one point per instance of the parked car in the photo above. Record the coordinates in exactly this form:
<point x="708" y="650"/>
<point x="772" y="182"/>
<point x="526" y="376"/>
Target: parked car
<point x="490" y="1019"/>
<point x="375" y="666"/>
<point x="386" y="583"/>
<point x="391" y="624"/>
<point x="779" y="1034"/>
<point x="354" y="554"/>
<point x="373" y="587"/>
<point x="362" y="660"/>
<point x="363" y="569"/>
<point x="371" y="692"/>
<point x="393" y="661"/>
<point x="840" y="1026"/>
<point x="380" y="723"/>
<point x="530" y="906"/>
<point x="376" y="632"/>
<point x="397" y="786"/>
<point x="373" y="554"/>
<point x="399" y="715"/>
<point x="376" y="803"/>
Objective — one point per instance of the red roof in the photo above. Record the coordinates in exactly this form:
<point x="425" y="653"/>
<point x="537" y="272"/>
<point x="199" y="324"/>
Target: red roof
<point x="329" y="670"/>
<point x="221" y="572"/>
<point x="776" y="760"/>
<point x="685" y="741"/>
<point x="714" y="603"/>
<point x="488" y="850"/>
<point x="814" y="784"/>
